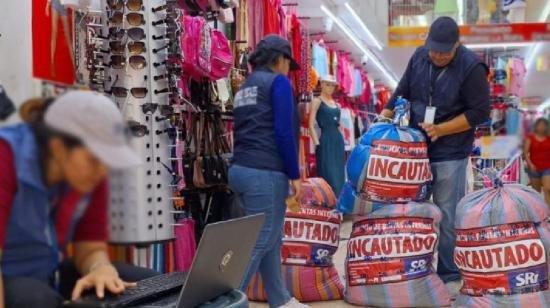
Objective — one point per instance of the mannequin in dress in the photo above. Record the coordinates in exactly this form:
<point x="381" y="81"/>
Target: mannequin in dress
<point x="58" y="11"/>
<point x="329" y="148"/>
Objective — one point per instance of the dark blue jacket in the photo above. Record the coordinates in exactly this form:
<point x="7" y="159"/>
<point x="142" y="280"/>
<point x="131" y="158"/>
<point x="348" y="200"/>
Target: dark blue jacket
<point x="30" y="248"/>
<point x="460" y="88"/>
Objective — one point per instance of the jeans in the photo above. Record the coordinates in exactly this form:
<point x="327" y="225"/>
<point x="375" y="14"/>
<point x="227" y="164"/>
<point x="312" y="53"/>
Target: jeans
<point x="23" y="292"/>
<point x="449" y="187"/>
<point x="264" y="191"/>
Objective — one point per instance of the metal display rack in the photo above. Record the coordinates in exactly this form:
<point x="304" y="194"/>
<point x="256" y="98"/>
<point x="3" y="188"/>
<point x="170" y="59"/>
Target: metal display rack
<point x="140" y="202"/>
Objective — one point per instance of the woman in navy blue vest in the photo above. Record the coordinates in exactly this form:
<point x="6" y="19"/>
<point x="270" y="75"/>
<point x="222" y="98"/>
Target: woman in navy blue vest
<point x="266" y="158"/>
<point x="53" y="191"/>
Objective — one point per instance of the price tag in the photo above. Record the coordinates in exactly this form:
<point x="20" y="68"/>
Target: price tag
<point x="429" y="117"/>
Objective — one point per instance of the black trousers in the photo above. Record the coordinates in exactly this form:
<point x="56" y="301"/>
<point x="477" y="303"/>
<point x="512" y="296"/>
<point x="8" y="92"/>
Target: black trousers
<point x="23" y="292"/>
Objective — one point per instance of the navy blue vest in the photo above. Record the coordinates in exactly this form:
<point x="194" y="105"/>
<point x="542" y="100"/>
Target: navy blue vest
<point x="254" y="132"/>
<point x="446" y="97"/>
<point x="30" y="247"/>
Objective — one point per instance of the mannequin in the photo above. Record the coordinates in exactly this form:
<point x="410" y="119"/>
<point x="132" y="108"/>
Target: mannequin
<point x="329" y="148"/>
<point x="58" y="11"/>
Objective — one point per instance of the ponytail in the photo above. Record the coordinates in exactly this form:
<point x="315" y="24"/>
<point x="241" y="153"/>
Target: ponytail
<point x="33" y="110"/>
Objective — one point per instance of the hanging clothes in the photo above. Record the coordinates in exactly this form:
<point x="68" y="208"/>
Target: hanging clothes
<point x="272" y="23"/>
<point x="357" y="83"/>
<point x="320" y="59"/>
<point x="367" y="91"/>
<point x="517" y="77"/>
<point x="255" y="16"/>
<point x="242" y="21"/>
<point x="330" y="153"/>
<point x="348" y="130"/>
<point x="296" y="42"/>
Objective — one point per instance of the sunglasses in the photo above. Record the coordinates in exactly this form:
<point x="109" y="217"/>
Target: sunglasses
<point x="123" y="92"/>
<point x="150" y="108"/>
<point x="136" y="34"/>
<point x="136" y="62"/>
<point x="132" y="5"/>
<point x="137" y="129"/>
<point x="134" y="48"/>
<point x="134" y="19"/>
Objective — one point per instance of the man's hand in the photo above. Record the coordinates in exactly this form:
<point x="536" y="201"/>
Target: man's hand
<point x="433" y="131"/>
<point x="297" y="188"/>
<point x="103" y="276"/>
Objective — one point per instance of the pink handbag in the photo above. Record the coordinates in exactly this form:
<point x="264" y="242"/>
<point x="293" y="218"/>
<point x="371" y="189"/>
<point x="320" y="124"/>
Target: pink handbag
<point x="185" y="245"/>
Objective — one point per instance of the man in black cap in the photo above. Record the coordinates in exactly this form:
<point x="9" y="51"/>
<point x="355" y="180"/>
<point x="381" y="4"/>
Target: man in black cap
<point x="447" y="86"/>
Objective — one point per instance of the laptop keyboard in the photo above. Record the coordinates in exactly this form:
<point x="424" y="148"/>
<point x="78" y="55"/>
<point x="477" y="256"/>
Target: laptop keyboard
<point x="146" y="290"/>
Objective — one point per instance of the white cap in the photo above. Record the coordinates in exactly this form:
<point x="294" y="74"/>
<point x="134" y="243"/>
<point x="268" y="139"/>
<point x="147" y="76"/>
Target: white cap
<point x="96" y="121"/>
<point x="329" y="78"/>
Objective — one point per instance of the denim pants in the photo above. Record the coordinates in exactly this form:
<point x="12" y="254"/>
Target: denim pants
<point x="449" y="187"/>
<point x="264" y="191"/>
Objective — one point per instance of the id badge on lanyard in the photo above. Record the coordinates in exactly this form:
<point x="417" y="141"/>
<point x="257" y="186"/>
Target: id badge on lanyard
<point x="429" y="116"/>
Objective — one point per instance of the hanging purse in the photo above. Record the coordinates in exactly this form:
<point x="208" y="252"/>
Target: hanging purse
<point x="198" y="165"/>
<point x="189" y="157"/>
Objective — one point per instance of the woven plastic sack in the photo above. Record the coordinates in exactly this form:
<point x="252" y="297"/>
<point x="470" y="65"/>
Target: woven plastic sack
<point x="389" y="165"/>
<point x="503" y="248"/>
<point x="311" y="238"/>
<point x="390" y="258"/>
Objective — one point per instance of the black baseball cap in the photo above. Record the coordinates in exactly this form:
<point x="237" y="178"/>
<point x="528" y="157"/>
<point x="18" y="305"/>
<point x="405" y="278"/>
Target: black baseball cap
<point x="274" y="42"/>
<point x="443" y="35"/>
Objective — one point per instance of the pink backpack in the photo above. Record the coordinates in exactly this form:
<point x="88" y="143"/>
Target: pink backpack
<point x="196" y="47"/>
<point x="221" y="57"/>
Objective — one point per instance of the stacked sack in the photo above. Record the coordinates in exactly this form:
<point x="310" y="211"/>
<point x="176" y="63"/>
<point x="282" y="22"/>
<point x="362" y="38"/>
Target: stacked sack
<point x="311" y="238"/>
<point x="503" y="248"/>
<point x="392" y="248"/>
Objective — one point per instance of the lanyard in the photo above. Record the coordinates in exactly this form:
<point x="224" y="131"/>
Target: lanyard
<point x="432" y="84"/>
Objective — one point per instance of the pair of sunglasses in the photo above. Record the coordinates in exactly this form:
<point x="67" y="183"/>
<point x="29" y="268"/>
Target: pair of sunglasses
<point x="136" y="62"/>
<point x="132" y="5"/>
<point x="150" y="108"/>
<point x="134" y="48"/>
<point x="135" y="34"/>
<point x="134" y="19"/>
<point x="137" y="129"/>
<point x="122" y="92"/>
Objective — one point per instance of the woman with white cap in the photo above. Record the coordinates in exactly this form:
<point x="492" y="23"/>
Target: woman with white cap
<point x="330" y="148"/>
<point x="53" y="191"/>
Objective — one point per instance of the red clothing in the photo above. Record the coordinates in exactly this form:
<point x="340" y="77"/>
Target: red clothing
<point x="91" y="227"/>
<point x="272" y="22"/>
<point x="539" y="153"/>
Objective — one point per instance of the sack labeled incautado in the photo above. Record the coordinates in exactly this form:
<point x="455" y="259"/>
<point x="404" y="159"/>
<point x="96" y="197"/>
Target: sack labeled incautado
<point x="389" y="165"/>
<point x="503" y="248"/>
<point x="311" y="238"/>
<point x="390" y="258"/>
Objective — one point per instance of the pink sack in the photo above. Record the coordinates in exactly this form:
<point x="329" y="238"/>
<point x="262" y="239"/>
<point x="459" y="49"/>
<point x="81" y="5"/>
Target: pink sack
<point x="390" y="258"/>
<point x="185" y="245"/>
<point x="221" y="57"/>
<point x="503" y="248"/>
<point x="193" y="45"/>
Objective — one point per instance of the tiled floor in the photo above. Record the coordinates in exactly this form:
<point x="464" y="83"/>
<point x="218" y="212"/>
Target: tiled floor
<point x="339" y="260"/>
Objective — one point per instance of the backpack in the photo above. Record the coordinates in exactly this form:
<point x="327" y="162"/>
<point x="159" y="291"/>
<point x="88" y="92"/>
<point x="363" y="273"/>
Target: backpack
<point x="221" y="57"/>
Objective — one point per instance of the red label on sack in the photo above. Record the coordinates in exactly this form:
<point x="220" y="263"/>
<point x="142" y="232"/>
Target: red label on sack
<point x="501" y="260"/>
<point x="311" y="236"/>
<point x="397" y="171"/>
<point x="390" y="250"/>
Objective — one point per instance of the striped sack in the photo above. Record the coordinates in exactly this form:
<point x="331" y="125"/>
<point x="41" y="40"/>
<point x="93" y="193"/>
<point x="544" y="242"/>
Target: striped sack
<point x="503" y="248"/>
<point x="390" y="260"/>
<point x="311" y="238"/>
<point x="389" y="165"/>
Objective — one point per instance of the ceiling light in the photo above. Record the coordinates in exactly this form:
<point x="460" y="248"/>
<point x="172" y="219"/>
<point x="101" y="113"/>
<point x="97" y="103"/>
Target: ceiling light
<point x="365" y="28"/>
<point x="360" y="45"/>
<point x="499" y="45"/>
<point x="545" y="13"/>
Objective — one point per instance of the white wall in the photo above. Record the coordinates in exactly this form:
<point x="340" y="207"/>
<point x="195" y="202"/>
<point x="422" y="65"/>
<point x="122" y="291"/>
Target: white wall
<point x="16" y="50"/>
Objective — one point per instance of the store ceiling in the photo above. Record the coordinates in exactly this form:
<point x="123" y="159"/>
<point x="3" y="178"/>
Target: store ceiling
<point x="374" y="13"/>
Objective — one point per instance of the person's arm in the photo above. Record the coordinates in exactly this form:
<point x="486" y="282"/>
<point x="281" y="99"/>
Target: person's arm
<point x="527" y="155"/>
<point x="90" y="249"/>
<point x="475" y="93"/>
<point x="283" y="117"/>
<point x="312" y="116"/>
<point x="8" y="189"/>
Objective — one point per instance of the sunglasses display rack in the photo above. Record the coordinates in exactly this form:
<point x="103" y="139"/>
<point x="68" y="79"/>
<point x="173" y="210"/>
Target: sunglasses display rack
<point x="141" y="203"/>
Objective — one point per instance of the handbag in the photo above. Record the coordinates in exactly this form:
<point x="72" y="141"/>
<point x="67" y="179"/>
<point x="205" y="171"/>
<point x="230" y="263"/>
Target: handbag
<point x="198" y="165"/>
<point x="185" y="245"/>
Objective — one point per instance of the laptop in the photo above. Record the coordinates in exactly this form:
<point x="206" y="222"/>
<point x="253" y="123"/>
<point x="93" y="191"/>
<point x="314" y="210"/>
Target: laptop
<point x="218" y="268"/>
